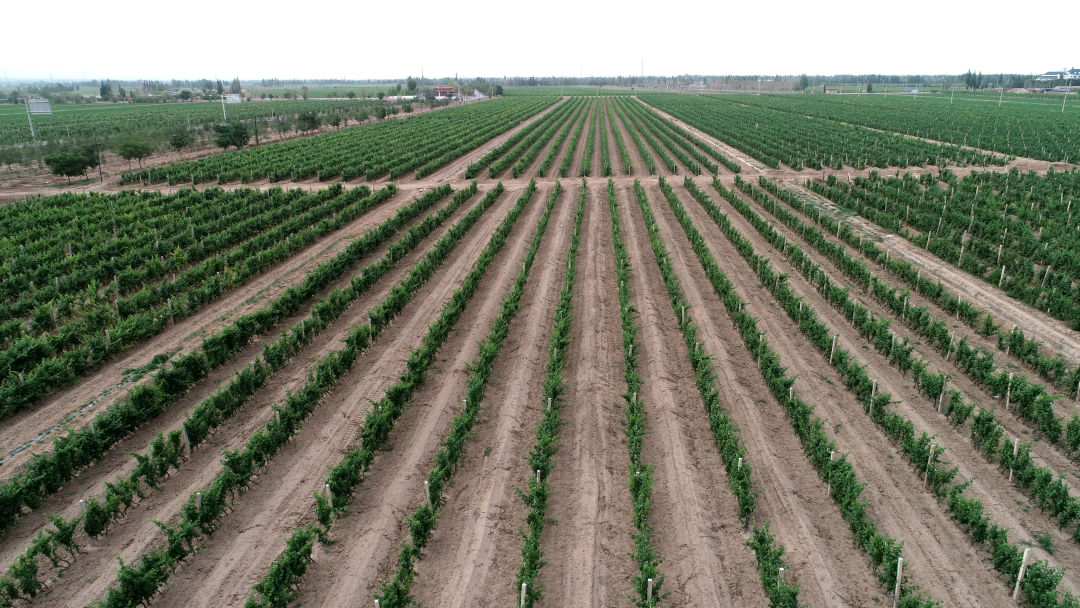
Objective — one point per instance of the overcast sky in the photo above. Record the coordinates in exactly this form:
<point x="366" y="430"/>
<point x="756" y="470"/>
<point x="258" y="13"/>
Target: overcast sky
<point x="128" y="39"/>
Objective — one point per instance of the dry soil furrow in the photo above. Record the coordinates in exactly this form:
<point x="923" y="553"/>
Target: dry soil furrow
<point x="117" y="462"/>
<point x="820" y="554"/>
<point x="368" y="535"/>
<point x="586" y="540"/>
<point x="695" y="524"/>
<point x="281" y="495"/>
<point x="470" y="560"/>
<point x="936" y="553"/>
<point x="1000" y="498"/>
<point x="107" y="383"/>
<point x="257" y="530"/>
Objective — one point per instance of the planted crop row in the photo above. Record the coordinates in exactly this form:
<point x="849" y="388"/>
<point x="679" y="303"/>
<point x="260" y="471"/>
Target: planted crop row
<point x="586" y="161"/>
<point x="640" y="473"/>
<point x="773" y="137"/>
<point x="682" y="150"/>
<point x="1050" y="491"/>
<point x="568" y="158"/>
<point x="166" y="451"/>
<point x="1041" y="583"/>
<point x="688" y="141"/>
<point x="33" y="367"/>
<point x="556" y="144"/>
<point x="475" y="168"/>
<point x="1020" y="129"/>
<point x="547" y="430"/>
<point x="994" y="227"/>
<point x="624" y="154"/>
<point x="395" y="593"/>
<point x="201" y="514"/>
<point x="882" y="550"/>
<point x="535" y="138"/>
<point x="605" y="156"/>
<point x="635" y="126"/>
<point x="534" y="150"/>
<point x="391" y="147"/>
<point x="46" y="473"/>
<point x="277" y="588"/>
<point x="1053" y="368"/>
<point x="646" y="156"/>
<point x="725" y="432"/>
<point x="1033" y="402"/>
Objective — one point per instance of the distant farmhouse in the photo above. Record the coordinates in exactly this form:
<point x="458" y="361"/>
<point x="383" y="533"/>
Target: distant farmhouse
<point x="1071" y="74"/>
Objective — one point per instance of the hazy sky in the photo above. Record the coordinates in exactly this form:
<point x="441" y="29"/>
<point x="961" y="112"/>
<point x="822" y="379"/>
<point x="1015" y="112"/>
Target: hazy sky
<point x="128" y="39"/>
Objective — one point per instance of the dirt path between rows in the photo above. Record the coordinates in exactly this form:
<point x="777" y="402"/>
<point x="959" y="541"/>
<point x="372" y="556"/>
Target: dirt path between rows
<point x="371" y="531"/>
<point x="282" y="502"/>
<point x="254" y="535"/>
<point x="586" y="539"/>
<point x="474" y="555"/>
<point x="998" y="496"/>
<point x="830" y="569"/>
<point x="90" y="482"/>
<point x="696" y="528"/>
<point x="1046" y="453"/>
<point x="942" y="560"/>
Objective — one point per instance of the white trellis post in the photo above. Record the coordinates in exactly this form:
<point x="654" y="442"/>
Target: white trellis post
<point x="1008" y="392"/>
<point x="524" y="587"/>
<point x="1016" y="451"/>
<point x="1020" y="576"/>
<point x="648" y="591"/>
<point x="832" y="350"/>
<point x="929" y="461"/>
<point x="899" y="577"/>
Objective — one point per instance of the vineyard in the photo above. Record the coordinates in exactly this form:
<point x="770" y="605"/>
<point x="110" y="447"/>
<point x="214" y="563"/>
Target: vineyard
<point x="79" y="123"/>
<point x="580" y="350"/>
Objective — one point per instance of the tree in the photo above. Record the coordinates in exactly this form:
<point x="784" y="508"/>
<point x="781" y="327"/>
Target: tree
<point x="498" y="90"/>
<point x="220" y="88"/>
<point x="105" y="89"/>
<point x="134" y="149"/>
<point x="350" y="95"/>
<point x="398" y="89"/>
<point x="120" y="92"/>
<point x="235" y="86"/>
<point x="179" y="139"/>
<point x="185" y="95"/>
<point x="804" y="82"/>
<point x="235" y="134"/>
<point x="282" y="126"/>
<point x="308" y="121"/>
<point x="304" y="91"/>
<point x="410" y="84"/>
<point x="71" y="162"/>
<point x="869" y="88"/>
<point x="380" y="95"/>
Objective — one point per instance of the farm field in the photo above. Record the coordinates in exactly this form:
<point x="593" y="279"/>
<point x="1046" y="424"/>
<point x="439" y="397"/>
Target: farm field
<point x="549" y="351"/>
